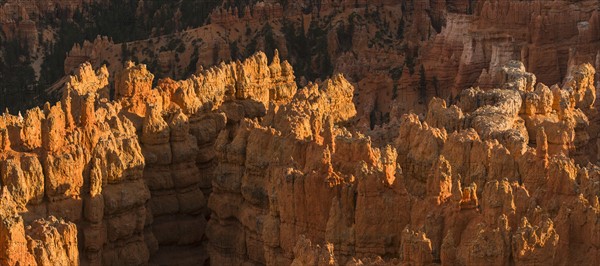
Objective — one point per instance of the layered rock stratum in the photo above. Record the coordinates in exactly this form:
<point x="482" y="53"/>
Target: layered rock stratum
<point x="399" y="53"/>
<point x="395" y="53"/>
<point x="238" y="165"/>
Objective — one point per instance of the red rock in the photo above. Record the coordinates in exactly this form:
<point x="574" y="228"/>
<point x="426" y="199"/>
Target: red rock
<point x="238" y="165"/>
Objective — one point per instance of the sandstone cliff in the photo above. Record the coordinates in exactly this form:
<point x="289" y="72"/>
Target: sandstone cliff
<point x="238" y="165"/>
<point x="79" y="161"/>
<point x="396" y="53"/>
<point x="459" y="191"/>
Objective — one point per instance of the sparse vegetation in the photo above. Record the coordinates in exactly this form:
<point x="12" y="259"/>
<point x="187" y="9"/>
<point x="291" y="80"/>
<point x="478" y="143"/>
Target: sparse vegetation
<point x="125" y="54"/>
<point x="310" y="49"/>
<point x="400" y="31"/>
<point x="191" y="68"/>
<point x="422" y="85"/>
<point x="435" y="84"/>
<point x="270" y="44"/>
<point x="234" y="50"/>
<point x="114" y="18"/>
<point x="215" y="54"/>
<point x="345" y="34"/>
<point x="396" y="74"/>
<point x="409" y="62"/>
<point x="16" y="75"/>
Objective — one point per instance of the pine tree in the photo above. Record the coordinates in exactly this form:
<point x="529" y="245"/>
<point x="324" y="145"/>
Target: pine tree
<point x="422" y="85"/>
<point x="400" y="32"/>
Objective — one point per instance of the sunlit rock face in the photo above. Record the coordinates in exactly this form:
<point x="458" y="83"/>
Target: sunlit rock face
<point x="238" y="165"/>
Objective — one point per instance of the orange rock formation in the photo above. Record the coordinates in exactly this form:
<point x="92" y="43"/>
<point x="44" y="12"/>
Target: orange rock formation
<point x="237" y="165"/>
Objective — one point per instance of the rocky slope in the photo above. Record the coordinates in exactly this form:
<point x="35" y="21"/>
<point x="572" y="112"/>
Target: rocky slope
<point x="549" y="37"/>
<point x="396" y="53"/>
<point x="461" y="187"/>
<point x="399" y="53"/>
<point x="36" y="35"/>
<point x="237" y="165"/>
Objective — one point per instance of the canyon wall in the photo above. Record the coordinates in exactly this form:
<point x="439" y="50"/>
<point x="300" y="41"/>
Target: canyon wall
<point x="549" y="37"/>
<point x="399" y="53"/>
<point x="79" y="161"/>
<point x="394" y="52"/>
<point x="463" y="185"/>
<point x="19" y="19"/>
<point x="433" y="147"/>
<point x="238" y="165"/>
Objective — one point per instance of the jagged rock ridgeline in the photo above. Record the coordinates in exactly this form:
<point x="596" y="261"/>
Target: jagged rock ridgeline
<point x="381" y="45"/>
<point x="123" y="196"/>
<point x="489" y="173"/>
<point x="238" y="165"/>
<point x="549" y="37"/>
<point x="77" y="160"/>
<point x="18" y="19"/>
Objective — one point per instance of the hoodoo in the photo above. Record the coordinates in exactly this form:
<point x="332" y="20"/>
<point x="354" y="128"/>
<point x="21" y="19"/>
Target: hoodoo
<point x="330" y="132"/>
<point x="238" y="165"/>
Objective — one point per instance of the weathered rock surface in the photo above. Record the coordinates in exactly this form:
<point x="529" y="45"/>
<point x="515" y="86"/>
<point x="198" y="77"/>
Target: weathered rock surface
<point x="80" y="161"/>
<point x="395" y="53"/>
<point x="236" y="165"/>
<point x="458" y="194"/>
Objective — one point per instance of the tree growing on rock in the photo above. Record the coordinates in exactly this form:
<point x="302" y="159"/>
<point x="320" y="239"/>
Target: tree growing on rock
<point x="422" y="85"/>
